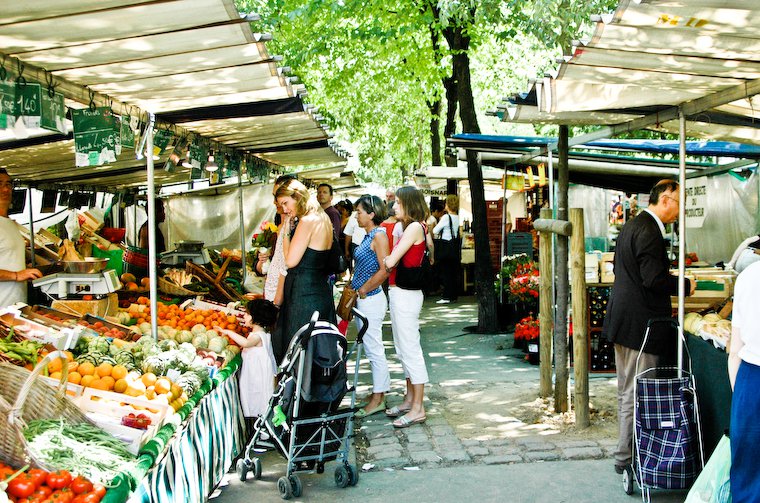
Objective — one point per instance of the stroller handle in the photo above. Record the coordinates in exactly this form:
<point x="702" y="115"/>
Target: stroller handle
<point x="365" y="324"/>
<point x="664" y="319"/>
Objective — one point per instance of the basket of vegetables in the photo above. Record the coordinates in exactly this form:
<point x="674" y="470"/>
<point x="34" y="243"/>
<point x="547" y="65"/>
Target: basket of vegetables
<point x="180" y="283"/>
<point x="24" y="398"/>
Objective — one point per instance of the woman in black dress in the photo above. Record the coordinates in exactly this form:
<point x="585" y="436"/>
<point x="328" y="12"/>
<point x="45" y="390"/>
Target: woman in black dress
<point x="306" y="246"/>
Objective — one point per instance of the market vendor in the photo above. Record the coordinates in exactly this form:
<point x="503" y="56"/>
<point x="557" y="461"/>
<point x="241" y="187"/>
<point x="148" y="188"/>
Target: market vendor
<point x="14" y="273"/>
<point x="143" y="234"/>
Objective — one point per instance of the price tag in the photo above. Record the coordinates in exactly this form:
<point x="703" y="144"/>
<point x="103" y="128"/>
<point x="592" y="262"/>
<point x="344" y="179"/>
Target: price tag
<point x="53" y="113"/>
<point x="7" y="104"/>
<point x="28" y="104"/>
<point x="161" y="139"/>
<point x="97" y="137"/>
<point x="127" y="133"/>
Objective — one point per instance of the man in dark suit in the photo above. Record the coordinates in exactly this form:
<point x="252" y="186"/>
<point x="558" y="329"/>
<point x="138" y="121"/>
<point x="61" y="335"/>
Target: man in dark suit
<point x="641" y="291"/>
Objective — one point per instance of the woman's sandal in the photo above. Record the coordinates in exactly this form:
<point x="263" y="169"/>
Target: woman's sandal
<point x="395" y="411"/>
<point x="403" y="422"/>
<point x="362" y="413"/>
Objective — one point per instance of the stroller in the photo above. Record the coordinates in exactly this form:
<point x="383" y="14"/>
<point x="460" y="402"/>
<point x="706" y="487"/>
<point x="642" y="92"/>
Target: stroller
<point x="667" y="436"/>
<point x="303" y="420"/>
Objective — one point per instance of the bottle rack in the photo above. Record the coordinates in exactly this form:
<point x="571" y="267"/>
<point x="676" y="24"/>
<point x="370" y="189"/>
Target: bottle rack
<point x="601" y="351"/>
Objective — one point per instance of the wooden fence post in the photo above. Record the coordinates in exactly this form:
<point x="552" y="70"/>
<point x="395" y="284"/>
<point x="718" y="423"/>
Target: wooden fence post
<point x="546" y="308"/>
<point x="580" y="318"/>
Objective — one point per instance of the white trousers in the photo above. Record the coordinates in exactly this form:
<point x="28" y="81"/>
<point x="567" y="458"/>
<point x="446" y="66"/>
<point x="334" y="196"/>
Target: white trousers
<point x="374" y="308"/>
<point x="405" y="321"/>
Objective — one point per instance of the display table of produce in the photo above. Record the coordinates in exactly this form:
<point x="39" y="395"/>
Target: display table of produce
<point x="710" y="368"/>
<point x="185" y="461"/>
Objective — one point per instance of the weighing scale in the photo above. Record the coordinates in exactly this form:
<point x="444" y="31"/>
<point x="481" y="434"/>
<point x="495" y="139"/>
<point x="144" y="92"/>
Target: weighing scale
<point x="63" y="284"/>
<point x="179" y="257"/>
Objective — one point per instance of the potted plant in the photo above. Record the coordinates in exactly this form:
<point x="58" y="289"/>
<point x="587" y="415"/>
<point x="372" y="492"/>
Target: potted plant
<point x="517" y="287"/>
<point x="526" y="332"/>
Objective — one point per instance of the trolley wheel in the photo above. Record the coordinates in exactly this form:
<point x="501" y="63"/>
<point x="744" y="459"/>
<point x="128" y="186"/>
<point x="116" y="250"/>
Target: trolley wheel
<point x="295" y="485"/>
<point x="353" y="475"/>
<point x="628" y="480"/>
<point x="286" y="490"/>
<point x="341" y="476"/>
<point x="241" y="468"/>
<point x="256" y="468"/>
<point x="320" y="468"/>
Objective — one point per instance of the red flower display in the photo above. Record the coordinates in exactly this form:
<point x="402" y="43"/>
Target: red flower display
<point x="527" y="329"/>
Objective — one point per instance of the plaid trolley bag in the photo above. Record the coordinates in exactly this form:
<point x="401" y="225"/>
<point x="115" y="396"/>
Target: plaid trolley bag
<point x="666" y="434"/>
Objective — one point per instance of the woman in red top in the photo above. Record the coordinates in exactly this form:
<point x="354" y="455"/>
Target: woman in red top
<point x="405" y="306"/>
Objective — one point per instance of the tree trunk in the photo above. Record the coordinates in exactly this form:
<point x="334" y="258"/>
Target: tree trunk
<point x="450" y="85"/>
<point x="435" y="132"/>
<point x="459" y="42"/>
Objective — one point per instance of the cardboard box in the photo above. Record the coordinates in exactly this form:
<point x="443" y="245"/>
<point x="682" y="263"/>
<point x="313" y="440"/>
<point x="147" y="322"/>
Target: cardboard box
<point x="607" y="268"/>
<point x="592" y="268"/>
<point x="107" y="306"/>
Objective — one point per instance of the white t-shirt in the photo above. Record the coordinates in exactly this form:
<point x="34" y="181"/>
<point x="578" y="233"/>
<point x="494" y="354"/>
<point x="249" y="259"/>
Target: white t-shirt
<point x="443" y="230"/>
<point x="746" y="315"/>
<point x="12" y="258"/>
<point x="352" y="229"/>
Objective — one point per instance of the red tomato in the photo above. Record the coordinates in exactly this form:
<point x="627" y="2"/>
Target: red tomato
<point x="99" y="489"/>
<point x="22" y="486"/>
<point x="39" y="476"/>
<point x="81" y="485"/>
<point x="41" y="494"/>
<point x="91" y="498"/>
<point x="59" y="479"/>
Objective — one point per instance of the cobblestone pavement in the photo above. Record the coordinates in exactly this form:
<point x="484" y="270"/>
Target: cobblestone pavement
<point x="476" y="380"/>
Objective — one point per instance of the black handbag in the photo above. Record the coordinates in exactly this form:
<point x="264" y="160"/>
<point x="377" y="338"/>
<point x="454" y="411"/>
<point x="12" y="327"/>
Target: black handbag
<point x="336" y="262"/>
<point x="414" y="278"/>
<point x="449" y="249"/>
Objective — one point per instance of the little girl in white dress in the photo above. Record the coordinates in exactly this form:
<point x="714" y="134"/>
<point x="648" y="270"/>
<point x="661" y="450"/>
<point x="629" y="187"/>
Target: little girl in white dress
<point x="258" y="368"/>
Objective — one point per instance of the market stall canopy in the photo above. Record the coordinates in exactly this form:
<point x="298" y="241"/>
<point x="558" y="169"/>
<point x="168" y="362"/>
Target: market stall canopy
<point x="649" y="57"/>
<point x="196" y="64"/>
<point x="606" y="163"/>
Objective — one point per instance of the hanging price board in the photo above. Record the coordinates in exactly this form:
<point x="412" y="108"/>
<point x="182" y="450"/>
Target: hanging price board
<point x="96" y="136"/>
<point x="53" y="113"/>
<point x="126" y="133"/>
<point x="161" y="139"/>
<point x="233" y="167"/>
<point x="198" y="155"/>
<point x="27" y="104"/>
<point x="7" y="103"/>
<point x="196" y="173"/>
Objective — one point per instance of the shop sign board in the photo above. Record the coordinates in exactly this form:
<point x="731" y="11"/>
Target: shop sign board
<point x="27" y="103"/>
<point x="695" y="206"/>
<point x="97" y="138"/>
<point x="7" y="103"/>
<point x="161" y="139"/>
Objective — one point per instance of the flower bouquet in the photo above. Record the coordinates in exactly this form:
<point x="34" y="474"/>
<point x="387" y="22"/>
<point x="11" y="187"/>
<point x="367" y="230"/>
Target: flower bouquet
<point x="263" y="241"/>
<point x="524" y="283"/>
<point x="526" y="331"/>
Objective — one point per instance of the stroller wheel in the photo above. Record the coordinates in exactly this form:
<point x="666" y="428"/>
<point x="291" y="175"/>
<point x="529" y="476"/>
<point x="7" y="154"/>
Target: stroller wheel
<point x="341" y="476"/>
<point x="628" y="479"/>
<point x="286" y="490"/>
<point x="242" y="469"/>
<point x="353" y="475"/>
<point x="295" y="485"/>
<point x="256" y="468"/>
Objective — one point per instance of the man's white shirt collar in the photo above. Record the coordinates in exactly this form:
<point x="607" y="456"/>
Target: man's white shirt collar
<point x="657" y="219"/>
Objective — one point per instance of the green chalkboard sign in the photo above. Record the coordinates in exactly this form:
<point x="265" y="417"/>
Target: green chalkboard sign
<point x="28" y="103"/>
<point x="198" y="155"/>
<point x="126" y="132"/>
<point x="233" y="166"/>
<point x="7" y="103"/>
<point x="96" y="136"/>
<point x="161" y="139"/>
<point x="53" y="112"/>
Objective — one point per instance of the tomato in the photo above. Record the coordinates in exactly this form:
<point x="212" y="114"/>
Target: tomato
<point x="39" y="476"/>
<point x="22" y="486"/>
<point x="40" y="495"/>
<point x="91" y="498"/>
<point x="61" y="496"/>
<point x="99" y="489"/>
<point x="81" y="485"/>
<point x="59" y="479"/>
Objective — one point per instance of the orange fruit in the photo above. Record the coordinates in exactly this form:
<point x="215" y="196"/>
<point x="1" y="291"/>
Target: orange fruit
<point x="149" y="379"/>
<point x="99" y="384"/>
<point x="150" y="393"/>
<point x="69" y="356"/>
<point x="55" y="365"/>
<point x="73" y="366"/>
<point x="120" y="386"/>
<point x="75" y="377"/>
<point x="86" y="369"/>
<point x="87" y="380"/>
<point x="108" y="382"/>
<point x="55" y="375"/>
<point x="145" y="282"/>
<point x="131" y="286"/>
<point x="119" y="372"/>
<point x="104" y="369"/>
<point x="143" y="299"/>
<point x="163" y="386"/>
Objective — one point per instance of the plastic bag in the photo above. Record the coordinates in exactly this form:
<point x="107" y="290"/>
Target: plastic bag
<point x="72" y="226"/>
<point x="714" y="483"/>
